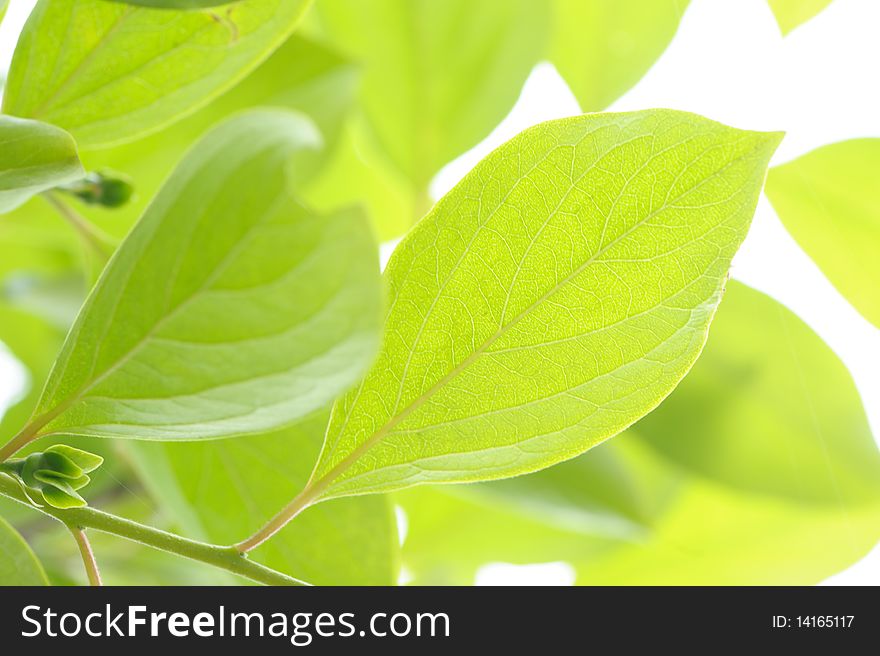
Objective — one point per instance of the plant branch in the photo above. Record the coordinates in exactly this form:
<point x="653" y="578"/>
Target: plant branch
<point x="88" y="556"/>
<point x="227" y="558"/>
<point x="96" y="239"/>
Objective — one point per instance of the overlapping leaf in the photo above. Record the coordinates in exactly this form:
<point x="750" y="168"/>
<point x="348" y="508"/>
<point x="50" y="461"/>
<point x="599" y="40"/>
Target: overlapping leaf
<point x="603" y="47"/>
<point x="759" y="469"/>
<point x="438" y="76"/>
<point x="220" y="490"/>
<point x="229" y="309"/>
<point x="830" y="202"/>
<point x="791" y="13"/>
<point x="109" y="72"/>
<point x="552" y="298"/>
<point x="18" y="564"/>
<point x="34" y="156"/>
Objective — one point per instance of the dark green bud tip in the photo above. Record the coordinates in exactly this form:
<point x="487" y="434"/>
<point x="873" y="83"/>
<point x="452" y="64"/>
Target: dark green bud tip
<point x="104" y="188"/>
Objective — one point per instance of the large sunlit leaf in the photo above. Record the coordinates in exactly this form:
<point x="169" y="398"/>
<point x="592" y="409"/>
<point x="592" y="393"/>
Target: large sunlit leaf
<point x="558" y="293"/>
<point x="603" y="47"/>
<point x="829" y="200"/>
<point x="791" y="13"/>
<point x="438" y="76"/>
<point x="109" y="72"/>
<point x="230" y="308"/>
<point x="219" y="490"/>
<point x="34" y="156"/>
<point x="759" y="469"/>
<point x="18" y="564"/>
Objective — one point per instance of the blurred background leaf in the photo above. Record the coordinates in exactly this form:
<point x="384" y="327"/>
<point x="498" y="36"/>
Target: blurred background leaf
<point x="759" y="469"/>
<point x="791" y="13"/>
<point x="603" y="47"/>
<point x="224" y="490"/>
<point x="829" y="200"/>
<point x="438" y="76"/>
<point x="18" y="564"/>
<point x="300" y="75"/>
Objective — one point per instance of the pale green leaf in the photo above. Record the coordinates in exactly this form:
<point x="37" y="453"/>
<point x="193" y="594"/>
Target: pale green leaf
<point x="34" y="156"/>
<point x="358" y="174"/>
<point x="18" y="564"/>
<point x="4" y="4"/>
<point x="769" y="410"/>
<point x="219" y="490"/>
<point x="829" y="200"/>
<point x="35" y="244"/>
<point x="438" y="76"/>
<point x="109" y="72"/>
<point x="791" y="13"/>
<point x="603" y="47"/>
<point x="558" y="293"/>
<point x="177" y="4"/>
<point x="300" y="75"/>
<point x="759" y="469"/>
<point x="230" y="308"/>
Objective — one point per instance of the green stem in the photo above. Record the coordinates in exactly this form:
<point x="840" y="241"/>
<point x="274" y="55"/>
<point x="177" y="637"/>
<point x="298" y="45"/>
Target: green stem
<point x="227" y="558"/>
<point x="92" y="236"/>
<point x="88" y="556"/>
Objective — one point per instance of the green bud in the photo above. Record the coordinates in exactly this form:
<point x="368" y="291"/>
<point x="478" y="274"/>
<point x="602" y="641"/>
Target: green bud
<point x="56" y="474"/>
<point x="104" y="188"/>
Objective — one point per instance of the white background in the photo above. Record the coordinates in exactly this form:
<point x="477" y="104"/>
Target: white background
<point x="729" y="62"/>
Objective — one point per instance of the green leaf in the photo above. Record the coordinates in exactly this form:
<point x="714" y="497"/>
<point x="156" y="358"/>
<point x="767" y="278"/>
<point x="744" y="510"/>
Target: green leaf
<point x="177" y="4"/>
<point x="18" y="564"/>
<point x="830" y="202"/>
<point x="4" y="4"/>
<point x="109" y="72"/>
<point x="357" y="174"/>
<point x="230" y="308"/>
<point x="219" y="491"/>
<point x="300" y="75"/>
<point x="729" y="481"/>
<point x="32" y="245"/>
<point x="438" y="76"/>
<point x="770" y="410"/>
<point x="791" y="13"/>
<point x="558" y="293"/>
<point x="34" y="156"/>
<point x="603" y="47"/>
